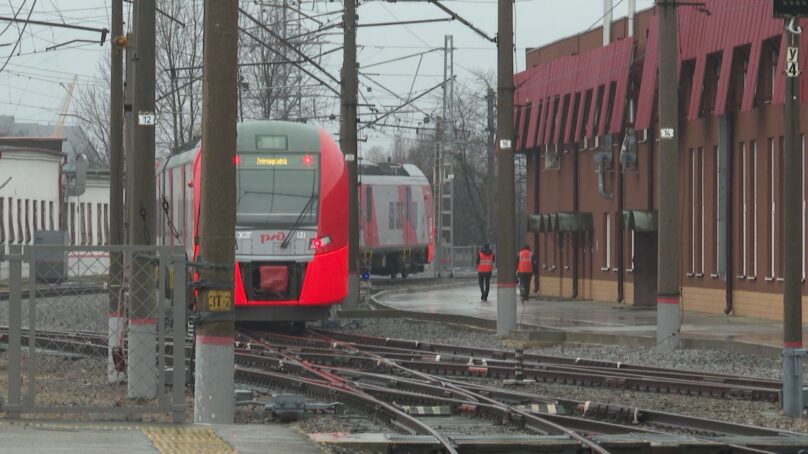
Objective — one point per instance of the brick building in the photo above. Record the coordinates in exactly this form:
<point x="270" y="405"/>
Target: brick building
<point x="593" y="204"/>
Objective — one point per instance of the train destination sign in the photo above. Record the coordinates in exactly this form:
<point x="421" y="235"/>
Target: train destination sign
<point x="290" y="161"/>
<point x="785" y="8"/>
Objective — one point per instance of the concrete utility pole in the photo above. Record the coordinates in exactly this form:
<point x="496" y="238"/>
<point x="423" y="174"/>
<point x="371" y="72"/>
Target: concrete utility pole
<point x="347" y="142"/>
<point x="668" y="325"/>
<point x="214" y="379"/>
<point x="141" y="372"/>
<point x="492" y="137"/>
<point x="506" y="247"/>
<point x="792" y="238"/>
<point x="116" y="317"/>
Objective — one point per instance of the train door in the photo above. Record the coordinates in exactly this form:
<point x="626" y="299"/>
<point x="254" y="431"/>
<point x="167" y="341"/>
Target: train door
<point x="645" y="269"/>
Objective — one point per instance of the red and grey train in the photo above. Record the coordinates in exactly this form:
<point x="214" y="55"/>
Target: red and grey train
<point x="291" y="219"/>
<point x="396" y="233"/>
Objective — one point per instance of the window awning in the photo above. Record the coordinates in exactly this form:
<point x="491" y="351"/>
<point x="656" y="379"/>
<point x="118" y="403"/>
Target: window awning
<point x="640" y="220"/>
<point x="540" y="223"/>
<point x="561" y="222"/>
<point x="574" y="222"/>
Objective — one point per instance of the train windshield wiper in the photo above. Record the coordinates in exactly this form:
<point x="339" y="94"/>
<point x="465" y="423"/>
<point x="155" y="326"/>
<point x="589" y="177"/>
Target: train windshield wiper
<point x="299" y="220"/>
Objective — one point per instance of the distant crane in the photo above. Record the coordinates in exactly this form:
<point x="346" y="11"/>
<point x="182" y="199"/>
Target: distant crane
<point x="58" y="129"/>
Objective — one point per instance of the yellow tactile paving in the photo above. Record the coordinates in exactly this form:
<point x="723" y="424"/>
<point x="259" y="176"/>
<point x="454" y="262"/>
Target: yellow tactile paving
<point x="171" y="440"/>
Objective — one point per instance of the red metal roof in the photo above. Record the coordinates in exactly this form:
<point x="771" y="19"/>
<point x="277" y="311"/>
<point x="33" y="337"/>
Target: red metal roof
<point x="549" y="87"/>
<point x="730" y="24"/>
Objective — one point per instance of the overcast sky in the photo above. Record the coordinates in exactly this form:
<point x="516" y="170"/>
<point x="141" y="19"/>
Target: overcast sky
<point x="32" y="85"/>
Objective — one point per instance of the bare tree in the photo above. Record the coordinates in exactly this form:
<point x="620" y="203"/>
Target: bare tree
<point x="91" y="107"/>
<point x="179" y="71"/>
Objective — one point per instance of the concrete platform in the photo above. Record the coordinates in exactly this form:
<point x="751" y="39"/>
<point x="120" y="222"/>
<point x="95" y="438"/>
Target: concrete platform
<point x="94" y="438"/>
<point x="592" y="319"/>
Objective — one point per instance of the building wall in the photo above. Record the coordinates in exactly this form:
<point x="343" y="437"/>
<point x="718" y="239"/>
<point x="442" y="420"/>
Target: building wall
<point x="30" y="202"/>
<point x="606" y="255"/>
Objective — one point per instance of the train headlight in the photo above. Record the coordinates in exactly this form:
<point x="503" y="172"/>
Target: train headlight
<point x="316" y="243"/>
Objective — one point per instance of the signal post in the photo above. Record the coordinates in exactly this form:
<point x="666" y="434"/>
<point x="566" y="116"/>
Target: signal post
<point x="214" y="401"/>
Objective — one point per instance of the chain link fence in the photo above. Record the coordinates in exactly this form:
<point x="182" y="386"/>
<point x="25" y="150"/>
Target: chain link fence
<point x="95" y="331"/>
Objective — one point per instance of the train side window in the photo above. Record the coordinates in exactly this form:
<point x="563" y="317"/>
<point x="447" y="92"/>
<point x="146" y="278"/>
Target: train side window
<point x="392" y="211"/>
<point x="399" y="215"/>
<point x="50" y="214"/>
<point x="369" y="205"/>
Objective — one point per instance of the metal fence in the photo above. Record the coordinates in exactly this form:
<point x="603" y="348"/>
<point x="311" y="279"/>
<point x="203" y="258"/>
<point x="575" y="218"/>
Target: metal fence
<point x="95" y="331"/>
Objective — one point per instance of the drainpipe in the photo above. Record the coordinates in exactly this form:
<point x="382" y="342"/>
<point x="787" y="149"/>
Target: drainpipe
<point x="632" y="11"/>
<point x="725" y="211"/>
<point x="620" y="240"/>
<point x="575" y="208"/>
<point x="536" y="194"/>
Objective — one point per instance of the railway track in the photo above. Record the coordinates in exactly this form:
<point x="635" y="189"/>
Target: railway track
<point x="388" y="381"/>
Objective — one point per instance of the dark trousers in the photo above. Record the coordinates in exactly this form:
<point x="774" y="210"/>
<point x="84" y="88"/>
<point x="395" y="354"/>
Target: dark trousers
<point x="524" y="284"/>
<point x="485" y="284"/>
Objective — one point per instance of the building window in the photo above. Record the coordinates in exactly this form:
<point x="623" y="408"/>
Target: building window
<point x="716" y="211"/>
<point x="106" y="224"/>
<point x="696" y="212"/>
<point x="35" y="213"/>
<point x="82" y="229"/>
<point x="27" y="222"/>
<point x="100" y="227"/>
<point x="20" y="231"/>
<point x="744" y="212"/>
<point x="89" y="223"/>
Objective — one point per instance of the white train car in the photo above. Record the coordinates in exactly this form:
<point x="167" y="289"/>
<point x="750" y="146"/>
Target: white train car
<point x="396" y="225"/>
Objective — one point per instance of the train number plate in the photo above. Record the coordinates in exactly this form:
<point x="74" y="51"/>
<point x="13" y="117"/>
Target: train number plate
<point x="219" y="300"/>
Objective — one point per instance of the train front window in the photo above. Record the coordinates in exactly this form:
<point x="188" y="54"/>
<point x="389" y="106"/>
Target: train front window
<point x="277" y="189"/>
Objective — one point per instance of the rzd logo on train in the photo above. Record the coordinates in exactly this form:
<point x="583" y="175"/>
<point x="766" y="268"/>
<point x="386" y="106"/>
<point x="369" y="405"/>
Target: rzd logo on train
<point x="278" y="236"/>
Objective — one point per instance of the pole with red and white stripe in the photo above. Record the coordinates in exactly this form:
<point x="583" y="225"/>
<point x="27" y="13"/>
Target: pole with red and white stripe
<point x="214" y="380"/>
<point x="668" y="323"/>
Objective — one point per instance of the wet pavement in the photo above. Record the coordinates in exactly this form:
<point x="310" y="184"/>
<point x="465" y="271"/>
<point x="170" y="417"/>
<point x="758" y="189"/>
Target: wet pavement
<point x="587" y="316"/>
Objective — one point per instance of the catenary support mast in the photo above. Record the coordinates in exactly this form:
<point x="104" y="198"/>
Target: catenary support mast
<point x="348" y="144"/>
<point x="668" y="324"/>
<point x="506" y="247"/>
<point x="116" y="317"/>
<point x="142" y="379"/>
<point x="214" y="372"/>
<point x="792" y="223"/>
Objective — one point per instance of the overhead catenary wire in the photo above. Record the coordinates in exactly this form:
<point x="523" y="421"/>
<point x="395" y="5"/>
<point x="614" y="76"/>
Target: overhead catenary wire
<point x="19" y="39"/>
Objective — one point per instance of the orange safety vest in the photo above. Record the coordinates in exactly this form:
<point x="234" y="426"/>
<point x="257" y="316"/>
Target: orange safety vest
<point x="486" y="264"/>
<point x="525" y="262"/>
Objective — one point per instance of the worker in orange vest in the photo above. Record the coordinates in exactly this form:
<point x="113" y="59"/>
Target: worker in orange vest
<point x="485" y="266"/>
<point x="524" y="271"/>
